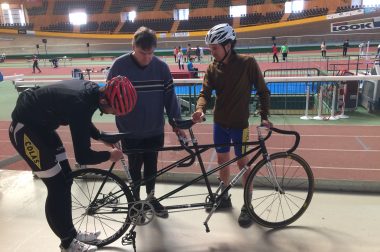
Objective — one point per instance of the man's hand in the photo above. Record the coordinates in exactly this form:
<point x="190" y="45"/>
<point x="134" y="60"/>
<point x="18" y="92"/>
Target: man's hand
<point x="267" y="124"/>
<point x="198" y="116"/>
<point x="116" y="155"/>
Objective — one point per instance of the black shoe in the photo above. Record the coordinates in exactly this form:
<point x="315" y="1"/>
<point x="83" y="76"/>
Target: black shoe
<point x="245" y="219"/>
<point x="225" y="204"/>
<point x="160" y="210"/>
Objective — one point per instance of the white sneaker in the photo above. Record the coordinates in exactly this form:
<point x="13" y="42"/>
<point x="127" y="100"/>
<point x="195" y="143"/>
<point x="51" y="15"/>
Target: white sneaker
<point x="87" y="236"/>
<point x="77" y="246"/>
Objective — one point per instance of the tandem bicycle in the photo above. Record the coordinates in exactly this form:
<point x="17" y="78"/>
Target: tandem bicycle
<point x="281" y="185"/>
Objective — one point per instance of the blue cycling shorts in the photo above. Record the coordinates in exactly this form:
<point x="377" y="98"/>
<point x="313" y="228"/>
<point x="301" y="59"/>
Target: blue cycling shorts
<point x="226" y="135"/>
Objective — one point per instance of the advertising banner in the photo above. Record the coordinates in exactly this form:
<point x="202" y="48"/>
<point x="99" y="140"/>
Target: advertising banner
<point x="356" y="25"/>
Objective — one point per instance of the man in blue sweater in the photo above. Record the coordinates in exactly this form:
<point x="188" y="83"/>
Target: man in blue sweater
<point x="145" y="125"/>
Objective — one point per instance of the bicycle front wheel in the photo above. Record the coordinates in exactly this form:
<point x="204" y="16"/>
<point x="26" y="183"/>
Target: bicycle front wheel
<point x="100" y="202"/>
<point x="281" y="190"/>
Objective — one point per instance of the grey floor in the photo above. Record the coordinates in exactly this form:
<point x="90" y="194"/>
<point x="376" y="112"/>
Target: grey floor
<point x="334" y="222"/>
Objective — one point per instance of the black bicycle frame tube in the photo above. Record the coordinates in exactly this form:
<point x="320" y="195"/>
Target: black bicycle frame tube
<point x="104" y="181"/>
<point x="206" y="174"/>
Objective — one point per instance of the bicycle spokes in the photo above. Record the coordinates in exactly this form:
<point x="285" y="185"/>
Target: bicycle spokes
<point x="282" y="190"/>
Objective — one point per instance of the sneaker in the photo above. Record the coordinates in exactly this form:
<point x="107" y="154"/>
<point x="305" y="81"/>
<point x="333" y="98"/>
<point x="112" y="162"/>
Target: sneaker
<point x="245" y="219"/>
<point x="78" y="246"/>
<point x="87" y="236"/>
<point x="160" y="210"/>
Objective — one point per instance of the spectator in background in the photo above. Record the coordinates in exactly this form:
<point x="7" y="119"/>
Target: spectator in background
<point x="198" y="53"/>
<point x="188" y="52"/>
<point x="175" y="53"/>
<point x="275" y="51"/>
<point x="180" y="59"/>
<point x="346" y="45"/>
<point x="323" y="49"/>
<point x="378" y="50"/>
<point x="35" y="64"/>
<point x="284" y="51"/>
<point x="192" y="69"/>
<point x="361" y="49"/>
<point x="54" y="62"/>
<point x="202" y="53"/>
<point x="3" y="57"/>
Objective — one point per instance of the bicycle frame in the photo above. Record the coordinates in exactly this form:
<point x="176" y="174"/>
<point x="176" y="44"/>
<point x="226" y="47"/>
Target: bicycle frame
<point x="198" y="150"/>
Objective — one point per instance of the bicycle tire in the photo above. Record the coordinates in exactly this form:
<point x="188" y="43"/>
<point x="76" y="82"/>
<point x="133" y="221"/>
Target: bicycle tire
<point x="109" y="213"/>
<point x="296" y="179"/>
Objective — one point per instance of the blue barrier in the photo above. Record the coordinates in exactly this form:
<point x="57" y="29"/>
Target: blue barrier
<point x="284" y="88"/>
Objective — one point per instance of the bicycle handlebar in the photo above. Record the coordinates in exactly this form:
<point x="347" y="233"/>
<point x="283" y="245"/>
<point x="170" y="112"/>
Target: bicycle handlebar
<point x="287" y="132"/>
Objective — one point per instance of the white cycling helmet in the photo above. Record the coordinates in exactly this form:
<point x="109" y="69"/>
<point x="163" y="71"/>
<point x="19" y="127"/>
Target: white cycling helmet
<point x="219" y="34"/>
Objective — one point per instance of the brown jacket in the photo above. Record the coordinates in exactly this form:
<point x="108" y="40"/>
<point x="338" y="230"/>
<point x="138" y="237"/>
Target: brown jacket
<point x="233" y="83"/>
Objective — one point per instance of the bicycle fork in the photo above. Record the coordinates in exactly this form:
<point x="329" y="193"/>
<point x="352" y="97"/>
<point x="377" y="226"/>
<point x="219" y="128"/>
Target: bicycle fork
<point x="268" y="164"/>
<point x="217" y="200"/>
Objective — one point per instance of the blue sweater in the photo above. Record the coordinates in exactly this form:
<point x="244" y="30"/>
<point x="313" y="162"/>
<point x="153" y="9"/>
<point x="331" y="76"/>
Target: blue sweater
<point x="155" y="92"/>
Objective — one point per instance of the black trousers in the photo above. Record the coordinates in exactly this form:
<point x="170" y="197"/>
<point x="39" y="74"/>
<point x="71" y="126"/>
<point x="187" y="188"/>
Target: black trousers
<point x="35" y="65"/>
<point x="275" y="57"/>
<point x="43" y="151"/>
<point x="148" y="158"/>
<point x="344" y="51"/>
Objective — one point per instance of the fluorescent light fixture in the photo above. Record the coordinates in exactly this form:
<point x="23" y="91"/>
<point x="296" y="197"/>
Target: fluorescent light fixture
<point x="22" y="16"/>
<point x="238" y="10"/>
<point x="78" y="18"/>
<point x="5" y="6"/>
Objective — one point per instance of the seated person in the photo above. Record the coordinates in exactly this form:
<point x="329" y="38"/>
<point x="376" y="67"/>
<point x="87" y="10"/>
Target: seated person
<point x="54" y="62"/>
<point x="191" y="68"/>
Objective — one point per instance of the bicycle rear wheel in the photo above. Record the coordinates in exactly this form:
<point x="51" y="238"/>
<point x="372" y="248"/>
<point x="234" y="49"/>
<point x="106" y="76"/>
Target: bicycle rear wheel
<point x="108" y="213"/>
<point x="279" y="200"/>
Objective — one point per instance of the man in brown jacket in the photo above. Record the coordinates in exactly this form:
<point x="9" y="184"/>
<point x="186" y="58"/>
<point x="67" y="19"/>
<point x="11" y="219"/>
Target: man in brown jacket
<point x="232" y="76"/>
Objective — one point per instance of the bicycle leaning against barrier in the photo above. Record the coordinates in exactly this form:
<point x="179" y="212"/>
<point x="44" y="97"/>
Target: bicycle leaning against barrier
<point x="282" y="186"/>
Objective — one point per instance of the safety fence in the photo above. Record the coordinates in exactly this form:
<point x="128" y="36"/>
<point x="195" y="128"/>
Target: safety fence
<point x="310" y="96"/>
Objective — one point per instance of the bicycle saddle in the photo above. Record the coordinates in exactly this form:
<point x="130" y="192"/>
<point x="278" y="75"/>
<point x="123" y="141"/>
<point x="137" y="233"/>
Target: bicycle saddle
<point x="111" y="137"/>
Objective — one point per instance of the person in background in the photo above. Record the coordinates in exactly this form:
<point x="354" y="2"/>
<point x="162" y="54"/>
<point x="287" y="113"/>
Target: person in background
<point x="145" y="124"/>
<point x="180" y="59"/>
<point x="188" y="52"/>
<point x="35" y="64"/>
<point x="346" y="45"/>
<point x="38" y="113"/>
<point x="175" y="52"/>
<point x="275" y="51"/>
<point x="361" y="49"/>
<point x="323" y="49"/>
<point x="233" y="95"/>
<point x="192" y="69"/>
<point x="285" y="51"/>
<point x="198" y="53"/>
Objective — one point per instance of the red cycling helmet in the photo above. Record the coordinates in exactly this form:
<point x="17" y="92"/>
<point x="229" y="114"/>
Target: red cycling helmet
<point x="121" y="95"/>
